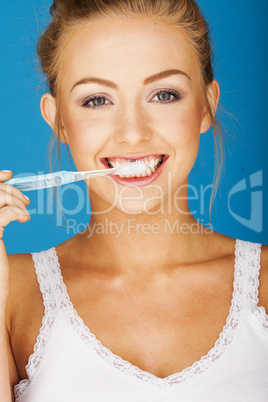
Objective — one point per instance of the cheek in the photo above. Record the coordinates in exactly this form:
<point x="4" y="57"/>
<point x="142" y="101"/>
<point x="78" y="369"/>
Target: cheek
<point x="86" y="137"/>
<point x="189" y="124"/>
<point x="183" y="135"/>
<point x="181" y="127"/>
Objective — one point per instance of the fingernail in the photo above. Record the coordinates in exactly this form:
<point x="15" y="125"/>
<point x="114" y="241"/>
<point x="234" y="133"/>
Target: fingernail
<point x="6" y="171"/>
<point x="27" y="198"/>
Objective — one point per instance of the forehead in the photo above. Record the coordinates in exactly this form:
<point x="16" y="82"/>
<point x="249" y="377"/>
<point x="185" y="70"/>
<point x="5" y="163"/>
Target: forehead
<point x="127" y="49"/>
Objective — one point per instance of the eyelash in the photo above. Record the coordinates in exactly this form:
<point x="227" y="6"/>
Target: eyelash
<point x="86" y="103"/>
<point x="177" y="96"/>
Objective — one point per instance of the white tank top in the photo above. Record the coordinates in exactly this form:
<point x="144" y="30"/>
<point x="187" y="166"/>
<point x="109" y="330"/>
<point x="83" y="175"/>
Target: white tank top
<point x="70" y="365"/>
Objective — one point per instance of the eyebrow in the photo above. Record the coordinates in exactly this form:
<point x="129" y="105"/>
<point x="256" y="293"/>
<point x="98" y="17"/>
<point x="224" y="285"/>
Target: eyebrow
<point x="164" y="74"/>
<point x="149" y="80"/>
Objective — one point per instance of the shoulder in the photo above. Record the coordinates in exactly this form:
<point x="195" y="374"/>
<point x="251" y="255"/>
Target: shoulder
<point x="264" y="258"/>
<point x="263" y="289"/>
<point x="22" y="270"/>
<point x="23" y="284"/>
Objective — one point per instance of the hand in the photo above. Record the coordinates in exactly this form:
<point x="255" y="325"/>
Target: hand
<point x="12" y="207"/>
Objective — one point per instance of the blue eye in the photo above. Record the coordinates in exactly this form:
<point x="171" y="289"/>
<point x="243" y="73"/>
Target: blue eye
<point x="95" y="102"/>
<point x="166" y="96"/>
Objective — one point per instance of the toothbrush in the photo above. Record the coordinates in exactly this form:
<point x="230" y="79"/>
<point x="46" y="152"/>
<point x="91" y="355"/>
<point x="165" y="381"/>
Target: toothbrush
<point x="64" y="177"/>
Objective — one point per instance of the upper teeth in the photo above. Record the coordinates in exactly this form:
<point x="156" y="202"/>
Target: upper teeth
<point x="152" y="163"/>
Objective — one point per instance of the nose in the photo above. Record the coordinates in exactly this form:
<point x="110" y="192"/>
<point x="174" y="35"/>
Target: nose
<point x="133" y="126"/>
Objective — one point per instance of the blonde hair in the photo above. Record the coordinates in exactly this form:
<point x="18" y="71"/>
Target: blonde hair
<point x="70" y="15"/>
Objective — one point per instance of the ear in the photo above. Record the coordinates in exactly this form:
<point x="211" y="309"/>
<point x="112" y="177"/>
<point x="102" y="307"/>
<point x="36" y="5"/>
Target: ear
<point x="49" y="112"/>
<point x="213" y="95"/>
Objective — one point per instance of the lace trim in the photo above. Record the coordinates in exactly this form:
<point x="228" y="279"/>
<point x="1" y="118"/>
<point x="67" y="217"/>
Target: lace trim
<point x="261" y="315"/>
<point x="117" y="362"/>
<point x="48" y="320"/>
<point x="253" y="283"/>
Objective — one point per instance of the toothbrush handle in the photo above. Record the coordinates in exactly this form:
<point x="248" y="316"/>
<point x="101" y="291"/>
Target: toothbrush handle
<point x="94" y="173"/>
<point x="42" y="181"/>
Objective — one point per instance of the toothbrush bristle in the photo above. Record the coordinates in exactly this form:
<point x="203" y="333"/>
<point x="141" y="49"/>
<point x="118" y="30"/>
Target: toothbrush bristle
<point x="132" y="168"/>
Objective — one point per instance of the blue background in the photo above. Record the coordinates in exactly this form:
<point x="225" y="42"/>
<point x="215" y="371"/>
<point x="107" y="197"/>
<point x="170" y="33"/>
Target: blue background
<point x="241" y="65"/>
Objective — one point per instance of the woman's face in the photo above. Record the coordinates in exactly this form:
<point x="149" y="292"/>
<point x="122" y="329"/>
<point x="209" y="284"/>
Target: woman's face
<point x="131" y="90"/>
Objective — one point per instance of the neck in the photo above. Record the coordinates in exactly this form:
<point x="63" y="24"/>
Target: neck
<point x="144" y="243"/>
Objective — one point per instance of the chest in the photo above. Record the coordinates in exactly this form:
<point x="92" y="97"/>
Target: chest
<point x="163" y="337"/>
<point x="159" y="331"/>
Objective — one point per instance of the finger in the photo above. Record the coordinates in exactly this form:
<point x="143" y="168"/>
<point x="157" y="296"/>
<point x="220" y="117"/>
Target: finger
<point x="12" y="209"/>
<point x="7" y="199"/>
<point x="6" y="175"/>
<point x="8" y="214"/>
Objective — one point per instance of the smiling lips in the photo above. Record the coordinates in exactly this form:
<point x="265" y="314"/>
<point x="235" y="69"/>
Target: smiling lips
<point x="154" y="164"/>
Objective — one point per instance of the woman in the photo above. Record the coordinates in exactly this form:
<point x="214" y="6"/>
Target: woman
<point x="173" y="315"/>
